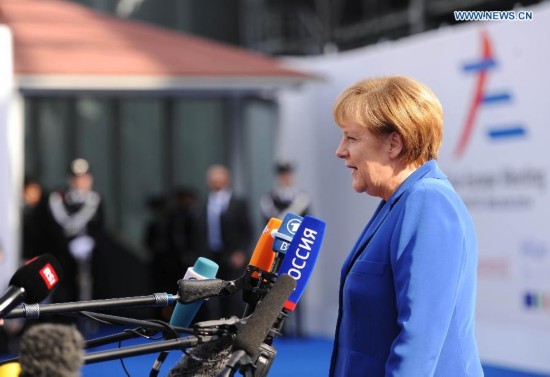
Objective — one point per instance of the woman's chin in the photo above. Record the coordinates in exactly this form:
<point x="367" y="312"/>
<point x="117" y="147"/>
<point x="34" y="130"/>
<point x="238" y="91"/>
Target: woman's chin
<point x="357" y="187"/>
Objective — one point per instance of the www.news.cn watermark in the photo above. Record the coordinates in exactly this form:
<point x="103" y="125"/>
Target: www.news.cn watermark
<point x="493" y="15"/>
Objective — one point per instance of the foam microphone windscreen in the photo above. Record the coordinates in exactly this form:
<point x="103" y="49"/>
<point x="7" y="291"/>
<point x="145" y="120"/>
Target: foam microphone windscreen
<point x="205" y="360"/>
<point x="39" y="277"/>
<point x="252" y="334"/>
<point x="209" y="359"/>
<point x="51" y="350"/>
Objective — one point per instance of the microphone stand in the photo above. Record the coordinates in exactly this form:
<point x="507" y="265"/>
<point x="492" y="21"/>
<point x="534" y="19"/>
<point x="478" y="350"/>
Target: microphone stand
<point x="118" y="337"/>
<point x="260" y="367"/>
<point x="34" y="311"/>
<point x="153" y="328"/>
<point x="204" y="332"/>
<point x="152" y="325"/>
<point x="238" y="360"/>
<point x="146" y="328"/>
<point x="189" y="291"/>
<point x="256" y="287"/>
<point x="164" y="345"/>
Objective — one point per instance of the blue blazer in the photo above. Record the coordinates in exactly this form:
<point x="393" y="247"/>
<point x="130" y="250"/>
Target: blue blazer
<point x="408" y="287"/>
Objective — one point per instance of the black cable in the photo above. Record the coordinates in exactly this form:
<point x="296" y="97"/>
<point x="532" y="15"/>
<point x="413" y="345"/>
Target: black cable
<point x="122" y="361"/>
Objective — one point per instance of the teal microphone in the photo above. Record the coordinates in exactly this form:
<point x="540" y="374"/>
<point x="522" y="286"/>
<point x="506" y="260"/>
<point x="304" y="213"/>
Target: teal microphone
<point x="183" y="314"/>
<point x="203" y="269"/>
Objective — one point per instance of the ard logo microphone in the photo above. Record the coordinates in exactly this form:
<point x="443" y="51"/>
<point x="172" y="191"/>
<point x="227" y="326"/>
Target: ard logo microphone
<point x="285" y="234"/>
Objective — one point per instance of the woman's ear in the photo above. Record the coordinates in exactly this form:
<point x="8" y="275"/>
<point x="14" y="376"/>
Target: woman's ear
<point x="395" y="145"/>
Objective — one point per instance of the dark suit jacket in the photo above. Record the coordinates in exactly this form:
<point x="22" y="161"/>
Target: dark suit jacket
<point x="236" y="232"/>
<point x="408" y="287"/>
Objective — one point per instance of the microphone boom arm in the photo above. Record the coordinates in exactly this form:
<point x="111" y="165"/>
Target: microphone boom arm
<point x="164" y="345"/>
<point x="37" y="310"/>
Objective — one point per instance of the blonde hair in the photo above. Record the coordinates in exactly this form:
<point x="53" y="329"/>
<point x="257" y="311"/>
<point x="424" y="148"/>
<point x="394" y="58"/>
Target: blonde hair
<point x="395" y="104"/>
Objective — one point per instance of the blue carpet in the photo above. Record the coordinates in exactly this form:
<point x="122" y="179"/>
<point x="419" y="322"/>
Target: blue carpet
<point x="295" y="357"/>
<point x="309" y="356"/>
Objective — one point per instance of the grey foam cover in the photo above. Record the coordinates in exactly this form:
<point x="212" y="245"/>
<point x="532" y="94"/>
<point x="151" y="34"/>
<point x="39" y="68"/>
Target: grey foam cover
<point x="252" y="334"/>
<point x="51" y="350"/>
<point x="207" y="359"/>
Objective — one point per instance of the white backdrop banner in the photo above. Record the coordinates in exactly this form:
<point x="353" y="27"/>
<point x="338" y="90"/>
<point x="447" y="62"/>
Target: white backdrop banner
<point x="492" y="80"/>
<point x="8" y="233"/>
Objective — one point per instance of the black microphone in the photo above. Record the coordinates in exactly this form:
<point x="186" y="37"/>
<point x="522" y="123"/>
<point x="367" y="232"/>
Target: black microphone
<point x="31" y="283"/>
<point x="52" y="350"/>
<point x="252" y="334"/>
<point x="209" y="359"/>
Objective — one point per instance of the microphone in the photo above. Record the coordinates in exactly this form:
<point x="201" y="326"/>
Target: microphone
<point x="31" y="283"/>
<point x="304" y="244"/>
<point x="52" y="350"/>
<point x="301" y="256"/>
<point x="290" y="224"/>
<point x="209" y="359"/>
<point x="304" y="238"/>
<point x="262" y="261"/>
<point x="10" y="369"/>
<point x="263" y="255"/>
<point x="202" y="270"/>
<point x="206" y="359"/>
<point x="183" y="314"/>
<point x="252" y="334"/>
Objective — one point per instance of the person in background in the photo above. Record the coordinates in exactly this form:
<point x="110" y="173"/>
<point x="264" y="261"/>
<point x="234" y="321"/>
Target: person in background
<point x="165" y="266"/>
<point x="183" y="219"/>
<point x="285" y="196"/>
<point x="34" y="216"/>
<point x="76" y="226"/>
<point x="224" y="232"/>
<point x="408" y="286"/>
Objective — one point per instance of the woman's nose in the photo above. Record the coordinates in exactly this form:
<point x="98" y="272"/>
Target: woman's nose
<point x="340" y="150"/>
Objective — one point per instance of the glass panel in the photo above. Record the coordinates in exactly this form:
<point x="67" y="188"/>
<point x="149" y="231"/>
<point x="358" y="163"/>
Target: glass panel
<point x="53" y="137"/>
<point x="200" y="139"/>
<point x="141" y="153"/>
<point x="94" y="142"/>
<point x="259" y="119"/>
<point x="31" y="109"/>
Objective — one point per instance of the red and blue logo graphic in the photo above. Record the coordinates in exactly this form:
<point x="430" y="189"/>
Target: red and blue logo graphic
<point x="539" y="301"/>
<point x="484" y="97"/>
